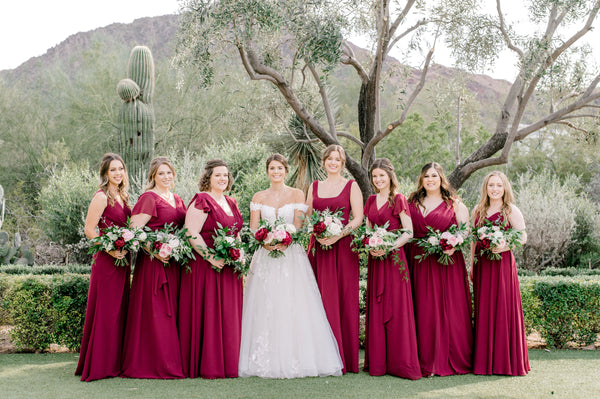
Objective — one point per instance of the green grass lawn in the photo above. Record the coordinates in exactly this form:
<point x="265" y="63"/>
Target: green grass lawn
<point x="555" y="374"/>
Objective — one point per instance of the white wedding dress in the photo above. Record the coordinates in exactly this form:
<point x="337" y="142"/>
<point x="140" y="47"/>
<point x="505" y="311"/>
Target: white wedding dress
<point x="285" y="332"/>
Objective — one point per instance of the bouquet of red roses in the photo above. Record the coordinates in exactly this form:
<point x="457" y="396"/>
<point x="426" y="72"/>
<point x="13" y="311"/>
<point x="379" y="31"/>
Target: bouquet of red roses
<point x="227" y="247"/>
<point x="275" y="233"/>
<point x="376" y="238"/>
<point x="496" y="234"/>
<point x="436" y="242"/>
<point x="120" y="239"/>
<point x="171" y="241"/>
<point x="325" y="224"/>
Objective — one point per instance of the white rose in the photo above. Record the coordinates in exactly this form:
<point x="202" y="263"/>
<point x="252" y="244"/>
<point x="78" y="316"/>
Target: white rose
<point x="290" y="228"/>
<point x="334" y="229"/>
<point x="230" y="239"/>
<point x="174" y="243"/>
<point x="433" y="241"/>
<point x="143" y="236"/>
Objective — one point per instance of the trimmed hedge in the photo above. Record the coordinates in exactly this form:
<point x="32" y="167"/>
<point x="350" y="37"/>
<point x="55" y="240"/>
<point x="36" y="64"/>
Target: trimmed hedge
<point x="45" y="309"/>
<point x="46" y="269"/>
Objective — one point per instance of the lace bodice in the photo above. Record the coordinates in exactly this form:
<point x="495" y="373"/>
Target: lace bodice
<point x="286" y="212"/>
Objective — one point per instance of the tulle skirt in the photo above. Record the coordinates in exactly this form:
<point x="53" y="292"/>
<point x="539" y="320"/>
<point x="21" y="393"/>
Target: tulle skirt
<point x="285" y="332"/>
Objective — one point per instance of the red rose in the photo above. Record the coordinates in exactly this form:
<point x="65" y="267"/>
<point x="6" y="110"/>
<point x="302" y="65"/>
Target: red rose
<point x="120" y="243"/>
<point x="444" y="244"/>
<point x="319" y="228"/>
<point x="234" y="253"/>
<point x="485" y="243"/>
<point x="261" y="234"/>
<point x="287" y="240"/>
<point x="365" y="241"/>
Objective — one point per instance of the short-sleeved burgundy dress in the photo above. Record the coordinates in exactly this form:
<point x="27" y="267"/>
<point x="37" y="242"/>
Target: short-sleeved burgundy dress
<point x="210" y="303"/>
<point x="151" y="347"/>
<point x="391" y="338"/>
<point x="102" y="342"/>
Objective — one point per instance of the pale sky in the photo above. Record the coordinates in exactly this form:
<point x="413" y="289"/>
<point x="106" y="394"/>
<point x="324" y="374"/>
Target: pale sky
<point x="29" y="28"/>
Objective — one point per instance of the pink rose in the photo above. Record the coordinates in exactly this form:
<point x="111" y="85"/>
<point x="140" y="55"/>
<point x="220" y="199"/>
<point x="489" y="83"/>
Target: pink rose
<point x="128" y="235"/>
<point x="279" y="235"/>
<point x="165" y="251"/>
<point x="327" y="220"/>
<point x="375" y="241"/>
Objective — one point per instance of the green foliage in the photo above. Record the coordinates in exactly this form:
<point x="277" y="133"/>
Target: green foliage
<point x="69" y="299"/>
<point x="29" y="307"/>
<point x="569" y="311"/>
<point x="46" y="269"/>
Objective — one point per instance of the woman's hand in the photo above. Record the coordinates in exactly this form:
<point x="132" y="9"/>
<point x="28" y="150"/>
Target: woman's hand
<point x="450" y="252"/>
<point x="377" y="253"/>
<point x="117" y="254"/>
<point x="164" y="259"/>
<point x="218" y="263"/>
<point x="329" y="241"/>
<point x="501" y="249"/>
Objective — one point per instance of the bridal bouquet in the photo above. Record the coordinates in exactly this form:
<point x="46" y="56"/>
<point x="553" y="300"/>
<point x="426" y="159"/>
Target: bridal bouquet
<point x="496" y="234"/>
<point x="367" y="239"/>
<point x="325" y="224"/>
<point x="171" y="241"/>
<point x="120" y="239"/>
<point x="436" y="242"/>
<point x="278" y="232"/>
<point x="228" y="248"/>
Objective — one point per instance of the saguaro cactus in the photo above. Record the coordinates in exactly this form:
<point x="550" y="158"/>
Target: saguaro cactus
<point x="136" y="118"/>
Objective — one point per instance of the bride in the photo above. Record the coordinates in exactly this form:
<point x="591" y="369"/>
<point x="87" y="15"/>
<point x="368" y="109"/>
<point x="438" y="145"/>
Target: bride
<point x="285" y="332"/>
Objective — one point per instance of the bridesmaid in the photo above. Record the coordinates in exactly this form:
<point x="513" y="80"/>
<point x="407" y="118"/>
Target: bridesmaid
<point x="337" y="269"/>
<point x="151" y="348"/>
<point x="391" y="339"/>
<point x="441" y="295"/>
<point x="210" y="317"/>
<point x="500" y="341"/>
<point x="102" y="342"/>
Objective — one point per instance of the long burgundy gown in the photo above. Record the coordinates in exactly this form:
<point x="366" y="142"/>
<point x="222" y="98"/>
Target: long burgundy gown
<point x="442" y="301"/>
<point x="210" y="303"/>
<point x="500" y="340"/>
<point x="337" y="273"/>
<point x="391" y="338"/>
<point x="102" y="342"/>
<point x="151" y="348"/>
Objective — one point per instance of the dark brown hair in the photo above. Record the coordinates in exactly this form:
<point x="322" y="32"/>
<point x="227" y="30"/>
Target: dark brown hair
<point x="279" y="158"/>
<point x="123" y="187"/>
<point x="385" y="165"/>
<point x="204" y="183"/>
<point x="447" y="191"/>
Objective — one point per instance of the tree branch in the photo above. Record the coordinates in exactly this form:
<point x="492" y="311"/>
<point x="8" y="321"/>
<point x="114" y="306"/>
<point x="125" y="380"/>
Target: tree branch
<point x="324" y="99"/>
<point x="572" y="126"/>
<point x="352" y="138"/>
<point x="351" y="60"/>
<point x="507" y="40"/>
<point x="297" y="140"/>
<point x="250" y="70"/>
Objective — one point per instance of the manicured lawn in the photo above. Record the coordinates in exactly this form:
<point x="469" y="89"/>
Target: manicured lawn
<point x="555" y="374"/>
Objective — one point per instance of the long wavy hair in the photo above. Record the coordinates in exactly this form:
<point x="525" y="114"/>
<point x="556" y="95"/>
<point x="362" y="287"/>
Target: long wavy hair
<point x="420" y="193"/>
<point x="480" y="211"/>
<point x="122" y="188"/>
<point x="385" y="165"/>
<point x="156" y="163"/>
<point x="204" y="182"/>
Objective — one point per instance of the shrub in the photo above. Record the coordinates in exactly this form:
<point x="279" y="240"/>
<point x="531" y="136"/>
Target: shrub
<point x="69" y="299"/>
<point x="46" y="269"/>
<point x="28" y="304"/>
<point x="549" y="210"/>
<point x="584" y="249"/>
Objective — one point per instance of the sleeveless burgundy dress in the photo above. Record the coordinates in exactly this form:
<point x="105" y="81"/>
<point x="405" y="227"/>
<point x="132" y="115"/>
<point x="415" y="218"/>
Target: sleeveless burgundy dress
<point x="102" y="342"/>
<point x="390" y="335"/>
<point x="210" y="303"/>
<point x="151" y="348"/>
<point x="337" y="274"/>
<point x="442" y="301"/>
<point x="500" y="340"/>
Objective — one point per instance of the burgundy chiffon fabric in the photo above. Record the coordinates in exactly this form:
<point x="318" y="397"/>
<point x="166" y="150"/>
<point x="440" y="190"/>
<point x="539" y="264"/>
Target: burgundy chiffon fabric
<point x="391" y="338"/>
<point x="500" y="340"/>
<point x="151" y="348"/>
<point x="210" y="304"/>
<point x="442" y="301"/>
<point x="102" y="342"/>
<point x="337" y="274"/>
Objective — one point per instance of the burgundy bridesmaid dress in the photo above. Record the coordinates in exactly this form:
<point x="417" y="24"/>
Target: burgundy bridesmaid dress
<point x="442" y="301"/>
<point x="337" y="273"/>
<point x="102" y="342"/>
<point x="151" y="348"/>
<point x="391" y="338"/>
<point x="210" y="303"/>
<point x="500" y="340"/>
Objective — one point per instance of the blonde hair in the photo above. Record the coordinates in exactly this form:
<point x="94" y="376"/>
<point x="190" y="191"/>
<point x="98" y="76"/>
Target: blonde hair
<point x="156" y="163"/>
<point x="420" y="193"/>
<point x="480" y="211"/>
<point x="385" y="165"/>
<point x="123" y="187"/>
<point x="331" y="148"/>
<point x="204" y="183"/>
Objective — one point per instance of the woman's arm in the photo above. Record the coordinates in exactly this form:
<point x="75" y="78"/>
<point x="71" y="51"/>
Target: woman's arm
<point x="194" y="221"/>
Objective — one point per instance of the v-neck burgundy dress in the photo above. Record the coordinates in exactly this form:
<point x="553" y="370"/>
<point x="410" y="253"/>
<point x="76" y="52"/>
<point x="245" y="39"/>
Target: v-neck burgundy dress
<point x="210" y="303"/>
<point x="390" y="335"/>
<point x="500" y="340"/>
<point x="442" y="301"/>
<point x="102" y="342"/>
<point x="337" y="273"/>
<point x="151" y="348"/>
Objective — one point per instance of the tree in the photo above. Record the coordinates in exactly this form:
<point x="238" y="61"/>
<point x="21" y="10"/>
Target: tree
<point x="294" y="45"/>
